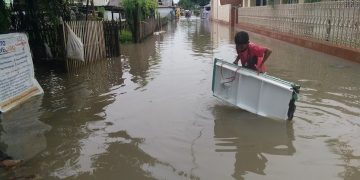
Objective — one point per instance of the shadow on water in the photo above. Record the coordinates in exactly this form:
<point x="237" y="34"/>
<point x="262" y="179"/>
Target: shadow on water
<point x="251" y="137"/>
<point x="80" y="92"/>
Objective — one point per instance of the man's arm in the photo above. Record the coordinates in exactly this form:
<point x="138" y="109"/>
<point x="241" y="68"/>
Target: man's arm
<point x="237" y="60"/>
<point x="266" y="56"/>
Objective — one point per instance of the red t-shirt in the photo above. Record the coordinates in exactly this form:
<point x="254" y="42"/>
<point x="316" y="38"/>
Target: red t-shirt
<point x="252" y="50"/>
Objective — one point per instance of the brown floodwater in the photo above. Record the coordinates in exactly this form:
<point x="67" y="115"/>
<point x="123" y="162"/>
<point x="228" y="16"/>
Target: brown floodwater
<point x="150" y="114"/>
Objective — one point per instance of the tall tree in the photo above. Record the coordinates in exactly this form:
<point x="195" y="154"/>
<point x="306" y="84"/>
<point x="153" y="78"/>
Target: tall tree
<point x="190" y="4"/>
<point x="186" y="4"/>
<point x="202" y="2"/>
<point x="137" y="10"/>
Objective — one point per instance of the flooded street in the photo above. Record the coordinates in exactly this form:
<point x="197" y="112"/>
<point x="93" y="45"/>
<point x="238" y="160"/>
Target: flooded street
<point x="150" y="114"/>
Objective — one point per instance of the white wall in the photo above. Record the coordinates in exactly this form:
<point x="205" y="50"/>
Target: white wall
<point x="224" y="13"/>
<point x="166" y="2"/>
<point x="220" y="12"/>
<point x="164" y="11"/>
<point x="249" y="3"/>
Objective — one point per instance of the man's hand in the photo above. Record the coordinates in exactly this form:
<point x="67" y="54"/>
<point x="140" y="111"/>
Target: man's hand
<point x="258" y="68"/>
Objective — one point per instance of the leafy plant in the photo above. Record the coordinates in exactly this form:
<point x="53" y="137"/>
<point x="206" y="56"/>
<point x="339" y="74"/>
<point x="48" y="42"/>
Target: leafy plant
<point x="186" y="4"/>
<point x="147" y="7"/>
<point x="125" y="36"/>
<point x="137" y="10"/>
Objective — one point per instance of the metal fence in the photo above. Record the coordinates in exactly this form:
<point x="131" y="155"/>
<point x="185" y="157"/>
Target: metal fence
<point x="337" y="22"/>
<point x="111" y="36"/>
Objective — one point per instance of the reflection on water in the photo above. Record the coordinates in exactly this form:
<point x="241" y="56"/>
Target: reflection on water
<point x="251" y="138"/>
<point x="350" y="161"/>
<point x="200" y="37"/>
<point x="70" y="103"/>
<point x="122" y="156"/>
<point x="22" y="135"/>
<point x="141" y="59"/>
<point x="20" y="126"/>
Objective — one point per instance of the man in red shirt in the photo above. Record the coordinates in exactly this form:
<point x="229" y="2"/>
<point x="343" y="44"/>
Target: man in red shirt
<point x="252" y="56"/>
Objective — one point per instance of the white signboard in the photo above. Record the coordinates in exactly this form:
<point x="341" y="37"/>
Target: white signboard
<point x="17" y="80"/>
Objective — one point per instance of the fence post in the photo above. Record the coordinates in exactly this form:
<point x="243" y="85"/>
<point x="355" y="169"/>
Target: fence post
<point x="136" y="15"/>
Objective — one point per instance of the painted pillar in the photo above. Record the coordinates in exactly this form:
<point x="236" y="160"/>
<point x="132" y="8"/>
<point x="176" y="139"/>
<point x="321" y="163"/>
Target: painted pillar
<point x="233" y="15"/>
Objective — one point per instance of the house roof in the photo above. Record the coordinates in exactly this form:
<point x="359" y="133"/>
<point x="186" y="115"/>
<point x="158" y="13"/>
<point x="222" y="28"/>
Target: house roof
<point x="115" y="3"/>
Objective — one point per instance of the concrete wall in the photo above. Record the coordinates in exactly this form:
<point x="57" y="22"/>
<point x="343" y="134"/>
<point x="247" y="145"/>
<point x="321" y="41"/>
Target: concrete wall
<point x="220" y="12"/>
<point x="224" y="13"/>
<point x="166" y="2"/>
<point x="165" y="11"/>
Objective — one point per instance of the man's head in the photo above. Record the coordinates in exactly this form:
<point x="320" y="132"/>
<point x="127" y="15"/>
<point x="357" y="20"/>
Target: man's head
<point x="242" y="40"/>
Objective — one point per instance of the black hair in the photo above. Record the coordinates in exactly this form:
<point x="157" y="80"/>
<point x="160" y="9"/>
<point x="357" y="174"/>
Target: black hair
<point x="241" y="37"/>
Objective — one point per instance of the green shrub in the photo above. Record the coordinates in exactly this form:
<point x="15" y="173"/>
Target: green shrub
<point x="126" y="36"/>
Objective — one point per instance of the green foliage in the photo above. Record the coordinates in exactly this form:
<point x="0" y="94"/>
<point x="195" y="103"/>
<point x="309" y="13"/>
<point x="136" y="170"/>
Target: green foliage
<point x="101" y="9"/>
<point x="101" y="12"/>
<point x="186" y="4"/>
<point x="190" y="4"/>
<point x="4" y="18"/>
<point x="147" y="7"/>
<point x="137" y="10"/>
<point x="125" y="36"/>
<point x="202" y="2"/>
<point x="55" y="9"/>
